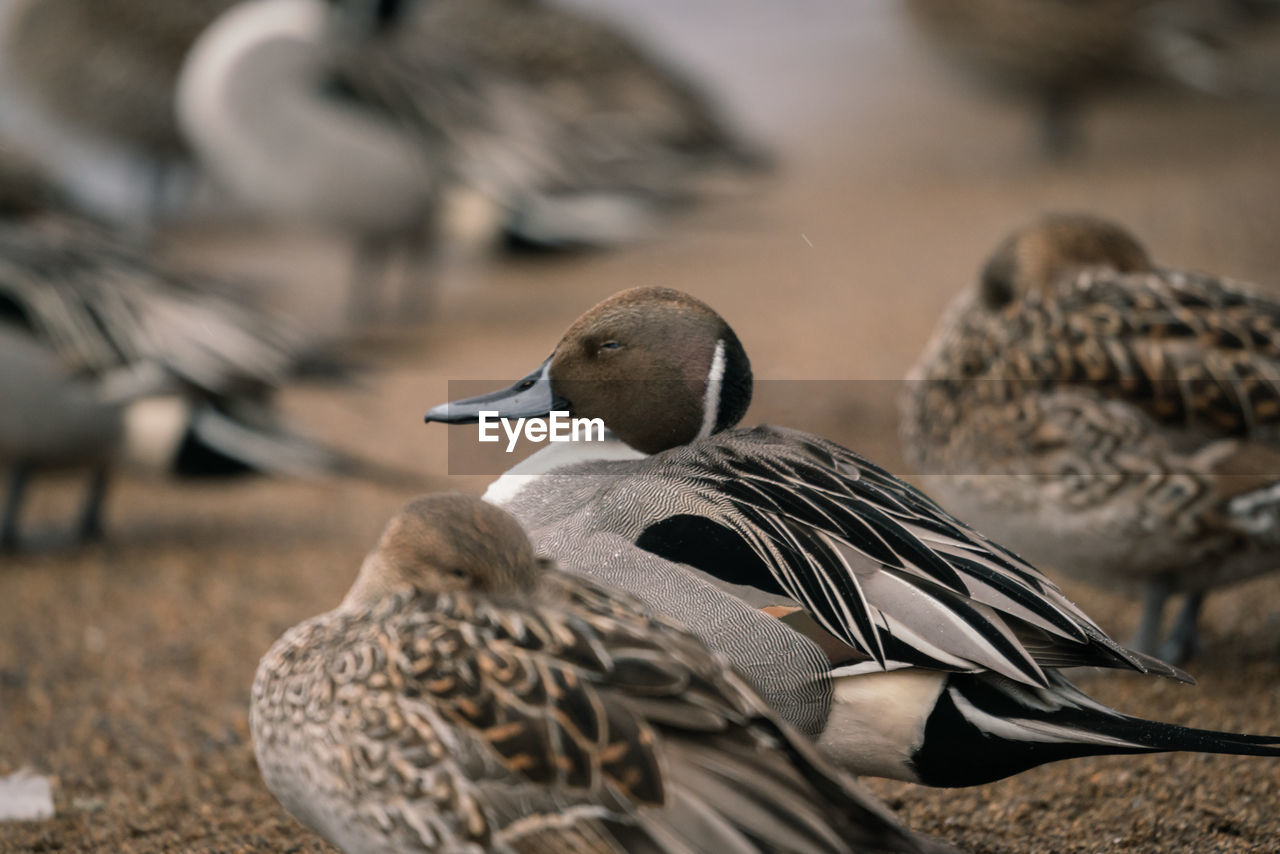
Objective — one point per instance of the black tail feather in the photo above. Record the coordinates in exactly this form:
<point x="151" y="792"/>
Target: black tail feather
<point x="224" y="443"/>
<point x="985" y="728"/>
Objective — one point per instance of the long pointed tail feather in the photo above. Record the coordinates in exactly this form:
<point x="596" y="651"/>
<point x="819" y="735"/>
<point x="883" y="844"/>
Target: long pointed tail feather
<point x="221" y="443"/>
<point x="985" y="728"/>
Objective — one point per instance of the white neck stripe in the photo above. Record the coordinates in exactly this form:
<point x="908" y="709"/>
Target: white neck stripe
<point x="711" y="398"/>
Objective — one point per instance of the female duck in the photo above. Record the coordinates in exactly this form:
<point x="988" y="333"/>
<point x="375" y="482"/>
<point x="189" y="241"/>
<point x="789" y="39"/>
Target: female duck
<point x="1134" y="410"/>
<point x="467" y="697"/>
<point x="944" y="647"/>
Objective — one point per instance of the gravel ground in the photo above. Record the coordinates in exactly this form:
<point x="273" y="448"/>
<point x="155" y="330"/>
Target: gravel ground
<point x="124" y="669"/>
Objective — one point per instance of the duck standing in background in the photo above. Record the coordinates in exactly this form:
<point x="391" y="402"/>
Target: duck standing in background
<point x="1054" y="52"/>
<point x="944" y="649"/>
<point x="1059" y="54"/>
<point x="1114" y="419"/>
<point x="466" y="696"/>
<point x="500" y="116"/>
<point x="108" y="357"/>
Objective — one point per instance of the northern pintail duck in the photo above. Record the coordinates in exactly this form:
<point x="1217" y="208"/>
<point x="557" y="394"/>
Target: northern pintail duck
<point x="85" y="75"/>
<point x="1130" y="414"/>
<point x="943" y="648"/>
<point x="466" y="696"/>
<point x="514" y="115"/>
<point x="107" y="357"/>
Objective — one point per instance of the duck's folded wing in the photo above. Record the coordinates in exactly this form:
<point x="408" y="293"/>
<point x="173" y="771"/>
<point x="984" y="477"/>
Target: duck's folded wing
<point x="638" y="733"/>
<point x="536" y="106"/>
<point x="104" y="308"/>
<point x="878" y="564"/>
<point x="1190" y="350"/>
<point x="1076" y="454"/>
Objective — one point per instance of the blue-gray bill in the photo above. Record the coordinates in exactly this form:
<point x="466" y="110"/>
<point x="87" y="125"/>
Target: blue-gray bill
<point x="527" y="398"/>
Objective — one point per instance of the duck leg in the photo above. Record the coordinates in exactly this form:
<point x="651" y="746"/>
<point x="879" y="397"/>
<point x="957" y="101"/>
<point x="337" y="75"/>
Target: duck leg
<point x="89" y="529"/>
<point x="419" y="292"/>
<point x="1184" y="636"/>
<point x="1154" y="595"/>
<point x="15" y="492"/>
<point x="1060" y="133"/>
<point x="159" y="188"/>
<point x="368" y="276"/>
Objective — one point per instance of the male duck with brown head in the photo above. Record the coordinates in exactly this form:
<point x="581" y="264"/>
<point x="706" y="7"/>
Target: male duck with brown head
<point x="1117" y="419"/>
<point x="465" y="696"/>
<point x="941" y="647"/>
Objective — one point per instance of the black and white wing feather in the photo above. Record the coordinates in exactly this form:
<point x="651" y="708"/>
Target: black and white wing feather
<point x="104" y="308"/>
<point x="877" y="563"/>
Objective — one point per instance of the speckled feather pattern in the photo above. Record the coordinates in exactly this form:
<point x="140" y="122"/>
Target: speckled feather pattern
<point x="1140" y="407"/>
<point x="459" y="722"/>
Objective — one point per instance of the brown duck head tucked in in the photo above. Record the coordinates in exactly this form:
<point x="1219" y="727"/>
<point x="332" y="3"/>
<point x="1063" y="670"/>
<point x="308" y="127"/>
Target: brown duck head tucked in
<point x="447" y="542"/>
<point x="1052" y="246"/>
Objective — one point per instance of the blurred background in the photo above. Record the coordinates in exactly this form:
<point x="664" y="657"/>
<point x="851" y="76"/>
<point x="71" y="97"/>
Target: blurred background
<point x="125" y="665"/>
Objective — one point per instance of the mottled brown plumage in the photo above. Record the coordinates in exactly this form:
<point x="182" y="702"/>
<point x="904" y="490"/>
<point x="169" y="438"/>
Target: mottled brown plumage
<point x="1140" y="404"/>
<point x="467" y="695"/>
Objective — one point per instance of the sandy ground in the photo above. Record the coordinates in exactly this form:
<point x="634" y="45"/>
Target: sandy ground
<point x="124" y="669"/>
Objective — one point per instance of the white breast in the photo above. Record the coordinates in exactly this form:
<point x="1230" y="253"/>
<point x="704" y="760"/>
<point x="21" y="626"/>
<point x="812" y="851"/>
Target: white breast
<point x="555" y="456"/>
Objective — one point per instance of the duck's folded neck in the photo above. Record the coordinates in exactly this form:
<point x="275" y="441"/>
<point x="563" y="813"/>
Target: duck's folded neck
<point x="557" y="455"/>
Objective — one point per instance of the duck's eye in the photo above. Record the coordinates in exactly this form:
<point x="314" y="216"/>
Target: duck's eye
<point x="611" y="345"/>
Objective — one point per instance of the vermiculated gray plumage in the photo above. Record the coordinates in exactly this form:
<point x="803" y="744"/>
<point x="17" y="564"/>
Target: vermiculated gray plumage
<point x="788" y="670"/>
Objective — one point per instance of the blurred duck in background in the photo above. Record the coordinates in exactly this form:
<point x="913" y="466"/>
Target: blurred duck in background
<point x="88" y="88"/>
<point x="395" y="120"/>
<point x="1060" y="53"/>
<point x="109" y="358"/>
<point x="1130" y="416"/>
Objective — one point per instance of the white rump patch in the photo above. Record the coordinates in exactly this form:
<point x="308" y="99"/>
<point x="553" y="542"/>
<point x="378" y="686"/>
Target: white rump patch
<point x="153" y="430"/>
<point x="877" y="720"/>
